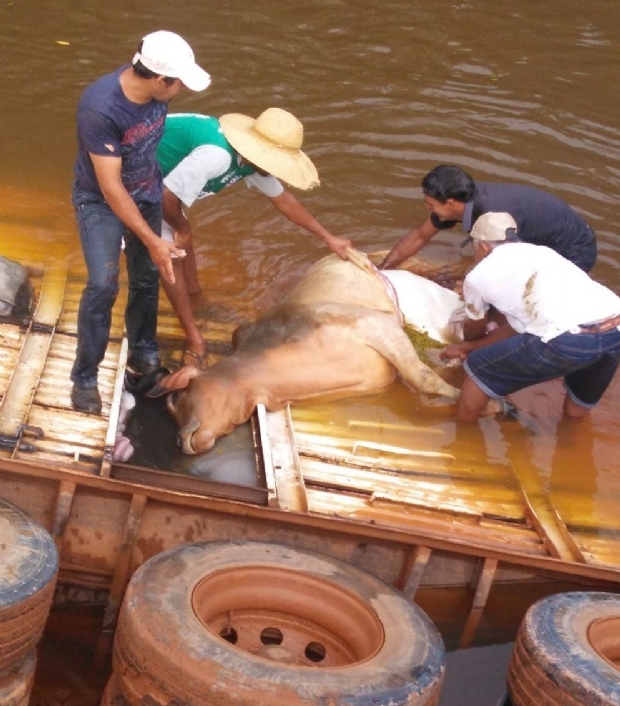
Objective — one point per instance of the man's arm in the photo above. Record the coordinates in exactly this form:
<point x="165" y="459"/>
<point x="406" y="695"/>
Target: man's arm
<point x="176" y="219"/>
<point x="291" y="208"/>
<point x="409" y="244"/>
<point x="184" y="183"/>
<point x="108" y="172"/>
<point x="476" y="337"/>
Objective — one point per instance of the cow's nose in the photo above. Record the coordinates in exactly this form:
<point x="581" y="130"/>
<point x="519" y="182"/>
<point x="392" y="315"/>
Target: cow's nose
<point x="185" y="443"/>
<point x="185" y="435"/>
<point x="189" y="445"/>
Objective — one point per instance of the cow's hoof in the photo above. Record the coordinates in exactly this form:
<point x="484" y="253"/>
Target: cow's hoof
<point x="508" y="411"/>
<point x="143" y="384"/>
<point x="500" y="408"/>
<point x="123" y="449"/>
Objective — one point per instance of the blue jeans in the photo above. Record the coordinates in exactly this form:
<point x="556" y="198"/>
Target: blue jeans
<point x="101" y="236"/>
<point x="586" y="361"/>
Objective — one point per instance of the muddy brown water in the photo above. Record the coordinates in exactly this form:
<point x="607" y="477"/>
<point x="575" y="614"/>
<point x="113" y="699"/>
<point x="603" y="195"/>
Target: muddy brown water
<point x="510" y="91"/>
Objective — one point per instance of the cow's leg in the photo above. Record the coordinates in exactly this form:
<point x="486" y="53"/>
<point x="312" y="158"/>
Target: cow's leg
<point x="382" y="332"/>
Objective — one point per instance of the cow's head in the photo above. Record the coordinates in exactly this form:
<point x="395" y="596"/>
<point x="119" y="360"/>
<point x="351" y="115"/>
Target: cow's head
<point x="205" y="405"/>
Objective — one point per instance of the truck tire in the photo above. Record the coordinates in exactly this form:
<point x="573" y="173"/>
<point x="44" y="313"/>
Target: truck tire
<point x="112" y="695"/>
<point x="16" y="683"/>
<point x="567" y="652"/>
<point x="28" y="571"/>
<point x="252" y="624"/>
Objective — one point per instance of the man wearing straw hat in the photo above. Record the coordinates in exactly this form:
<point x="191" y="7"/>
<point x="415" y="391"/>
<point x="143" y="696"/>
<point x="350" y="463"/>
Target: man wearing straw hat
<point x="199" y="156"/>
<point x="560" y="323"/>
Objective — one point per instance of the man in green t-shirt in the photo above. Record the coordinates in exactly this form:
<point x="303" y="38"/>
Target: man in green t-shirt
<point x="199" y="156"/>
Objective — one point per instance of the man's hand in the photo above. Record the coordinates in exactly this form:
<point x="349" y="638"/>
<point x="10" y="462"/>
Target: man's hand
<point x="162" y="252"/>
<point x="386" y="264"/>
<point x="361" y="260"/>
<point x="456" y="350"/>
<point x="409" y="244"/>
<point x="339" y="245"/>
<point x="291" y="208"/>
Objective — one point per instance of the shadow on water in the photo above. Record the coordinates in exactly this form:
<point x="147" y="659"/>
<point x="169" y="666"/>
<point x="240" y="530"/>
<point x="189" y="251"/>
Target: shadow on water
<point x="153" y="434"/>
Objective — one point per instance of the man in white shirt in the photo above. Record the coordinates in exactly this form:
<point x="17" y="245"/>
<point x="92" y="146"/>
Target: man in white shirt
<point x="560" y="323"/>
<point x="199" y="156"/>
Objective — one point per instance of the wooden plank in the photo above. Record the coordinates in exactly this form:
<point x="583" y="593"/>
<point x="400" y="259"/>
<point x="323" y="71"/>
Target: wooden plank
<point x="415" y="571"/>
<point x="475" y="499"/>
<point x="282" y="460"/>
<point x="11" y="342"/>
<point x="263" y="437"/>
<point x="71" y="437"/>
<point x="31" y="361"/>
<point x="287" y="468"/>
<point x="52" y="294"/>
<point x="417" y="462"/>
<point x="62" y="510"/>
<point x="552" y="530"/>
<point x="423" y="523"/>
<point x="539" y="507"/>
<point x="115" y="407"/>
<point x="23" y="383"/>
<point x="119" y="580"/>
<point x="483" y="588"/>
<point x="187" y="484"/>
<point x="123" y="562"/>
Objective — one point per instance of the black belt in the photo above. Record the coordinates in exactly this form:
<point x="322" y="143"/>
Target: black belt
<point x="601" y="326"/>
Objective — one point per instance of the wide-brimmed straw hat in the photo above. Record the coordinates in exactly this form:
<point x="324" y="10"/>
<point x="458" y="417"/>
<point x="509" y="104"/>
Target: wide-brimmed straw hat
<point x="272" y="142"/>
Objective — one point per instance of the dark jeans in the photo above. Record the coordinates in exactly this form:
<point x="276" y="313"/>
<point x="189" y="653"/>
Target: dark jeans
<point x="101" y="235"/>
<point x="586" y="361"/>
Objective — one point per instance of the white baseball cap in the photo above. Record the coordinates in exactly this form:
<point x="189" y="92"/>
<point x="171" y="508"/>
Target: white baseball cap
<point x="493" y="227"/>
<point x="168" y="54"/>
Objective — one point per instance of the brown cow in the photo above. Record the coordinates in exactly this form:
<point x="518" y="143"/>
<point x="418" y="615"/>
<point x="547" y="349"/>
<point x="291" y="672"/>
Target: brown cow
<point x="338" y="332"/>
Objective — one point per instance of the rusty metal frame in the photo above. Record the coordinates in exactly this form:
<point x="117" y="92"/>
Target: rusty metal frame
<point x="433" y="539"/>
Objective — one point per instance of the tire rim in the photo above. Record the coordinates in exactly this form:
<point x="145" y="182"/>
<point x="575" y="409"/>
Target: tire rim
<point x="604" y="636"/>
<point x="287" y="616"/>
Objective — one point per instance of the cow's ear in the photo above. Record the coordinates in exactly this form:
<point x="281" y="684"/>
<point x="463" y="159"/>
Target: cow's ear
<point x="158" y="391"/>
<point x="175" y="381"/>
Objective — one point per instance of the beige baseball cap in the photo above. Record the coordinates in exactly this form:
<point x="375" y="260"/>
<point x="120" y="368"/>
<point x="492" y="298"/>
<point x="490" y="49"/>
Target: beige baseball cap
<point x="493" y="227"/>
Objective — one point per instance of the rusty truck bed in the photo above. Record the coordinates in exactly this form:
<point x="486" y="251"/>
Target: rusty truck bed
<point x="389" y="509"/>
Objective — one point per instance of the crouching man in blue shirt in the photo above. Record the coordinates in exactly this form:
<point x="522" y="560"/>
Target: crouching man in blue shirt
<point x="452" y="197"/>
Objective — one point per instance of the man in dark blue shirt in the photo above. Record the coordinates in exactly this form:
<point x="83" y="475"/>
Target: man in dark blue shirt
<point x="117" y="196"/>
<point x="452" y="197"/>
